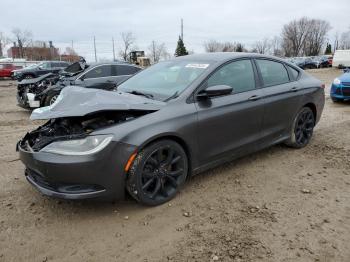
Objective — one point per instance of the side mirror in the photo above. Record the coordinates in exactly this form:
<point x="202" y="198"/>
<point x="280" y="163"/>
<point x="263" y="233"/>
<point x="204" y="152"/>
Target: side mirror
<point x="40" y="67"/>
<point x="212" y="91"/>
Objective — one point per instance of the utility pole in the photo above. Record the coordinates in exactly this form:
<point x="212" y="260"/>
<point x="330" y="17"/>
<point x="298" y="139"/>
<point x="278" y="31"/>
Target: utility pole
<point x="182" y="29"/>
<point x="95" y="49"/>
<point x="72" y="45"/>
<point x="113" y="49"/>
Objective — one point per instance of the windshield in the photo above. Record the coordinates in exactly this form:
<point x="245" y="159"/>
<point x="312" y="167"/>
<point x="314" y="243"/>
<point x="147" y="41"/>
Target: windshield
<point x="164" y="79"/>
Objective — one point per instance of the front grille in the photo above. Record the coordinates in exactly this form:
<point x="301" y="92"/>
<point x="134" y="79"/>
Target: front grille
<point x="337" y="91"/>
<point x="346" y="91"/>
<point x="346" y="84"/>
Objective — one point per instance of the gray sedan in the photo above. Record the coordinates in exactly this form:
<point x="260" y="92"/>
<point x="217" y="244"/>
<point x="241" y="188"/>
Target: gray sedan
<point x="166" y="123"/>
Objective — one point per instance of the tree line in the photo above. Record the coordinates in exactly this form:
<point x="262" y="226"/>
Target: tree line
<point x="299" y="37"/>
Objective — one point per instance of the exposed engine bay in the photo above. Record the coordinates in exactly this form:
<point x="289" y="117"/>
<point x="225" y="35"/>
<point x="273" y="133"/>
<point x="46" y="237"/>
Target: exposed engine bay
<point x="74" y="128"/>
<point x="34" y="86"/>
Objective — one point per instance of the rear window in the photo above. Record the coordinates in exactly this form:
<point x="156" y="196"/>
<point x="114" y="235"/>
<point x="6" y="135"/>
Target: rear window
<point x="273" y="73"/>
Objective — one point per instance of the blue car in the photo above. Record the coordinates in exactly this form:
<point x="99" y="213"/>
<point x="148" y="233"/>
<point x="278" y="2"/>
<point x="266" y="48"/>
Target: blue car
<point x="340" y="89"/>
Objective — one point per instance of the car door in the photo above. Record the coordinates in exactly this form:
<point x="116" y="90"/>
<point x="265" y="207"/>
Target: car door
<point x="97" y="77"/>
<point x="230" y="124"/>
<point x="282" y="98"/>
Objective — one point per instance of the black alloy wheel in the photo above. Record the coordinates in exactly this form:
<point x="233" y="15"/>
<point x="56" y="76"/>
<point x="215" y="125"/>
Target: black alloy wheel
<point x="303" y="127"/>
<point x="158" y="172"/>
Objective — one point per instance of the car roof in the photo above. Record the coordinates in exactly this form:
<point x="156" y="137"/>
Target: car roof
<point x="222" y="56"/>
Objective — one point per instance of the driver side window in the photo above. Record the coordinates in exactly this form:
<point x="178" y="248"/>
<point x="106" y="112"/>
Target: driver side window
<point x="99" y="71"/>
<point x="239" y="75"/>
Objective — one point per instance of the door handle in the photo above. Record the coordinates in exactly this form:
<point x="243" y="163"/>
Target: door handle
<point x="294" y="89"/>
<point x="254" y="98"/>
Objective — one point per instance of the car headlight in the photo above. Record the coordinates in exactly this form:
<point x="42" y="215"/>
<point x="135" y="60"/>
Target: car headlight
<point x="79" y="147"/>
<point x="337" y="81"/>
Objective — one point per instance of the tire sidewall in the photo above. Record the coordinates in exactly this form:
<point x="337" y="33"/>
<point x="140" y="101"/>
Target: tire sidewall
<point x="292" y="142"/>
<point x="134" y="180"/>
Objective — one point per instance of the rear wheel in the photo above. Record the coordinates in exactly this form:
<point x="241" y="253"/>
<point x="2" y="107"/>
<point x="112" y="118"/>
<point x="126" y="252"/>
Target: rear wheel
<point x="302" y="128"/>
<point x="157" y="173"/>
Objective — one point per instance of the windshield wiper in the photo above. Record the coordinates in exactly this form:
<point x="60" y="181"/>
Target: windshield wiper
<point x="175" y="95"/>
<point x="138" y="93"/>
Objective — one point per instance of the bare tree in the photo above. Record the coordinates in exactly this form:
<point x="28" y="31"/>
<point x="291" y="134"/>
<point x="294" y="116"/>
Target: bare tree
<point x="304" y="36"/>
<point x="4" y="41"/>
<point x="316" y="37"/>
<point x="294" y="35"/>
<point x="344" y="42"/>
<point x="23" y="38"/>
<point x="157" y="51"/>
<point x="128" y="40"/>
<point x="215" y="46"/>
<point x="228" y="47"/>
<point x="276" y="47"/>
<point x="262" y="46"/>
<point x="212" y="46"/>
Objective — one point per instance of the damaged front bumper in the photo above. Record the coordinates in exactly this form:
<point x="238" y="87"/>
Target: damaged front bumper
<point x="99" y="175"/>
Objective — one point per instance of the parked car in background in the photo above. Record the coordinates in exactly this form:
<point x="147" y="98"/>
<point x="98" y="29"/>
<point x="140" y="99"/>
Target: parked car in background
<point x="39" y="70"/>
<point x="341" y="58"/>
<point x="43" y="91"/>
<point x="7" y="69"/>
<point x="321" y="62"/>
<point x="340" y="89"/>
<point x="172" y="120"/>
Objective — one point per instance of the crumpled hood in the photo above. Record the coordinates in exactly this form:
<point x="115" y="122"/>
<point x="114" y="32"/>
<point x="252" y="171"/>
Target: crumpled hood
<point x="80" y="101"/>
<point x="35" y="80"/>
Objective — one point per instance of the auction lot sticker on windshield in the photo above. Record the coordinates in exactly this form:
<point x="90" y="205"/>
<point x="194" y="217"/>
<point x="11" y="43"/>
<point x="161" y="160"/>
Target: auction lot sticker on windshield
<point x="202" y="66"/>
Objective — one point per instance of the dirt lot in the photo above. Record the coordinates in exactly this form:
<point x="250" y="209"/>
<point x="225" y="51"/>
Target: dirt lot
<point x="276" y="205"/>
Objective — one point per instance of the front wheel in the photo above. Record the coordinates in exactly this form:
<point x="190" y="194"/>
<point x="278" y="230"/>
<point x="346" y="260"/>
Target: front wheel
<point x="157" y="173"/>
<point x="50" y="99"/>
<point x="302" y="128"/>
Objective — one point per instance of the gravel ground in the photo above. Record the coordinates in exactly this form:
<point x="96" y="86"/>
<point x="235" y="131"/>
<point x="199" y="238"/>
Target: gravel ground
<point x="276" y="205"/>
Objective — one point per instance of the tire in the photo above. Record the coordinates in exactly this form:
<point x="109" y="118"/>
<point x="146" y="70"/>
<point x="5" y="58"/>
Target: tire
<point x="50" y="99"/>
<point x="302" y="129"/>
<point x="157" y="173"/>
<point x="336" y="100"/>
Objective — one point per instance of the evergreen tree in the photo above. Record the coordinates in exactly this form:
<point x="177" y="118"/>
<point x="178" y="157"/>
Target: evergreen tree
<point x="328" y="49"/>
<point x="180" y="49"/>
<point x="239" y="47"/>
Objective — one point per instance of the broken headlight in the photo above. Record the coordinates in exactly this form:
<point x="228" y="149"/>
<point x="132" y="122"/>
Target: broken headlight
<point x="79" y="147"/>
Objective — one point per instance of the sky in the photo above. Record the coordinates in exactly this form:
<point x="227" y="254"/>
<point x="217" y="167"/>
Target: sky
<point x="79" y="21"/>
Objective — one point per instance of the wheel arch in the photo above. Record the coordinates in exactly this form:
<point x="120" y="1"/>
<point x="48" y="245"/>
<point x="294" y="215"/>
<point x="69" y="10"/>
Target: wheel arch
<point x="178" y="139"/>
<point x="313" y="108"/>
